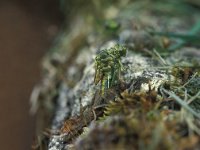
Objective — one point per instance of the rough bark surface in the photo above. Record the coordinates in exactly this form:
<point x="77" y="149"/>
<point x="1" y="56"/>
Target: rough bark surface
<point x="154" y="100"/>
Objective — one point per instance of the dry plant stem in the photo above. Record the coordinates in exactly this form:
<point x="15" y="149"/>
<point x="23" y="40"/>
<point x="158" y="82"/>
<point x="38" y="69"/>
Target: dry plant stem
<point x="182" y="103"/>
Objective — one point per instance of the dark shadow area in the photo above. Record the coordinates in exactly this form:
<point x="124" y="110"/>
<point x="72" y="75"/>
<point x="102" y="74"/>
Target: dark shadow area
<point x="27" y="30"/>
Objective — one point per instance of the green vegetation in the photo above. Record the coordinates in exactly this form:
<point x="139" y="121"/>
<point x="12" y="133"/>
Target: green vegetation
<point x="108" y="66"/>
<point x="131" y="83"/>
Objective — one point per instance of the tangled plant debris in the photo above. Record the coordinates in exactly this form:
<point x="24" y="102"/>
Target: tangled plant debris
<point x="132" y="82"/>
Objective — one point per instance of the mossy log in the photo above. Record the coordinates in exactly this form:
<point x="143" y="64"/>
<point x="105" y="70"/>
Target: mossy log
<point x="155" y="101"/>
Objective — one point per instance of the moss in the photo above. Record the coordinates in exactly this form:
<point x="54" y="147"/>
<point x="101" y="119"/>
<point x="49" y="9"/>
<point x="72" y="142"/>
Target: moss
<point x="153" y="102"/>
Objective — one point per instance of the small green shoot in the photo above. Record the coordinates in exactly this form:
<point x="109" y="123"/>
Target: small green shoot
<point x="108" y="66"/>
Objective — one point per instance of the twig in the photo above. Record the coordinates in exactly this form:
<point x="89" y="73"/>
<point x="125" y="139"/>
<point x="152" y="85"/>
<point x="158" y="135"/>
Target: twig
<point x="182" y="103"/>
